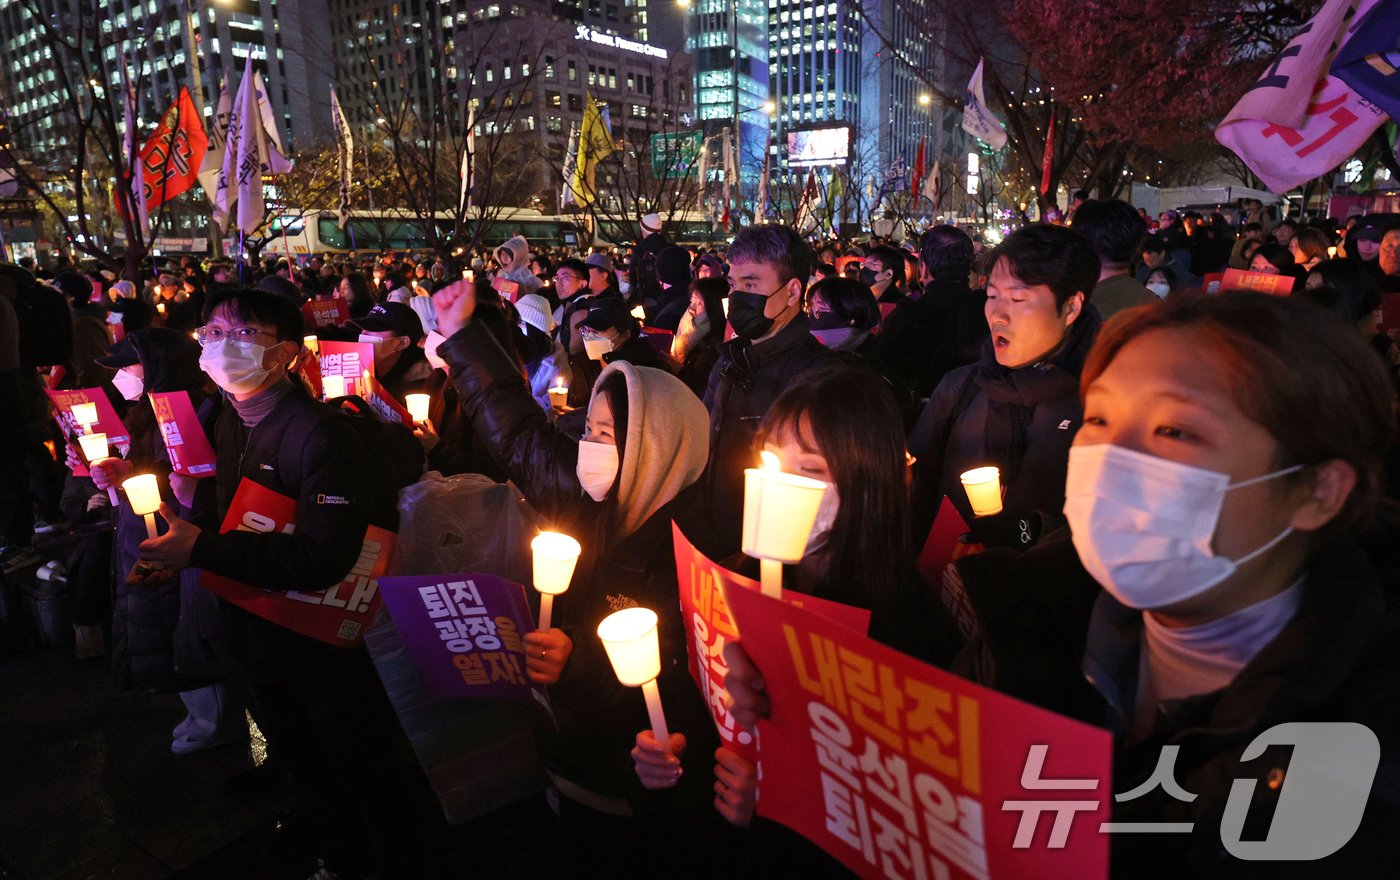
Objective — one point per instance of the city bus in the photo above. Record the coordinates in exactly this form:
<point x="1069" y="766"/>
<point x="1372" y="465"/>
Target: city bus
<point x="307" y="233"/>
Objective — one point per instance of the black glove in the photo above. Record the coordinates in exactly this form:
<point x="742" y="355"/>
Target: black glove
<point x="1013" y="529"/>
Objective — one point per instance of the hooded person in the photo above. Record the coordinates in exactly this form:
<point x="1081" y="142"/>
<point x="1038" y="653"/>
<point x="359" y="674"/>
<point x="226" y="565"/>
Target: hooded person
<point x="617" y="491"/>
<point x="673" y="272"/>
<point x="514" y="257"/>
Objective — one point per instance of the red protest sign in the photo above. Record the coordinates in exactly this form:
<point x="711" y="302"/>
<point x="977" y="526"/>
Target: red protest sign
<point x="325" y="312"/>
<point x="508" y="290"/>
<point x="384" y="404"/>
<point x="309" y="368"/>
<point x="1259" y="282"/>
<point x="185" y="440"/>
<point x="337" y="615"/>
<point x="899" y="769"/>
<point x="351" y="360"/>
<point x="118" y="440"/>
<point x="709" y="626"/>
<point x="935" y="564"/>
<point x="1210" y="284"/>
<point x="1390" y="312"/>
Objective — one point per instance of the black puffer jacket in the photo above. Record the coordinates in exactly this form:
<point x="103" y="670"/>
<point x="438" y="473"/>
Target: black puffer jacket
<point x="596" y="718"/>
<point x="745" y="381"/>
<point x="1022" y="421"/>
<point x="1047" y="634"/>
<point x="926" y="338"/>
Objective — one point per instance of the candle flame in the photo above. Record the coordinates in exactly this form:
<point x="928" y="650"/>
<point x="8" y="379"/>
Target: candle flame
<point x="769" y="461"/>
<point x="559" y="384"/>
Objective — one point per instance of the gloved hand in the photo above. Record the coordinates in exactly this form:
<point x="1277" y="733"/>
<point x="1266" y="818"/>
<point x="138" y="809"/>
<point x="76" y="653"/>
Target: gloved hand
<point x="1013" y="529"/>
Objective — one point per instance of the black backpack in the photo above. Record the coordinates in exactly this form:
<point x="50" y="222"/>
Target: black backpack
<point x="392" y="443"/>
<point x="45" y="326"/>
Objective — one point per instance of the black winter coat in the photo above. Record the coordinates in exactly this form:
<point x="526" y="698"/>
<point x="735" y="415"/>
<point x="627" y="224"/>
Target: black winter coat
<point x="1021" y="420"/>
<point x="310" y="452"/>
<point x="1049" y="635"/>
<point x="597" y="719"/>
<point x="745" y="381"/>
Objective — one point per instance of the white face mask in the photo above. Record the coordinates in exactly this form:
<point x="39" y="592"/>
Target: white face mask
<point x="624" y="287"/>
<point x="114" y="317"/>
<point x="237" y="367"/>
<point x="1143" y="525"/>
<point x="825" y="521"/>
<point x="597" y="346"/>
<point x="430" y="348"/>
<point x="128" y="385"/>
<point x="1161" y="289"/>
<point x="597" y="468"/>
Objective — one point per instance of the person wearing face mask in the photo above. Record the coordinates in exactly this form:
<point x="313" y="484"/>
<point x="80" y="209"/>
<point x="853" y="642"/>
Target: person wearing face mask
<point x="883" y="273"/>
<point x="768" y="269"/>
<point x="838" y="426"/>
<point x="399" y="363"/>
<point x="1018" y="407"/>
<point x="1161" y="282"/>
<point x="167" y="636"/>
<point x="843" y="316"/>
<point x="616" y="490"/>
<point x="699" y="333"/>
<point x="319" y="706"/>
<point x="1221" y="577"/>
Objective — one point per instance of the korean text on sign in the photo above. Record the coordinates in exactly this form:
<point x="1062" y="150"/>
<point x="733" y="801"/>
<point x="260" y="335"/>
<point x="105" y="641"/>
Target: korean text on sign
<point x="901" y="770"/>
<point x="463" y="632"/>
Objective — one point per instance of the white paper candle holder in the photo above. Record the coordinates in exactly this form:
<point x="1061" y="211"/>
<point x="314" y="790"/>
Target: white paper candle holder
<point x="555" y="556"/>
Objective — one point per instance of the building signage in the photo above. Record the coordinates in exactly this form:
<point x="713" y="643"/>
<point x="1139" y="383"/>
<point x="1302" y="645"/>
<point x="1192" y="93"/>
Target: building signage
<point x="588" y="34"/>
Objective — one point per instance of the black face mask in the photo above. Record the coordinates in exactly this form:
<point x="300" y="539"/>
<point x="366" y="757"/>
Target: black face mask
<point x="746" y="313"/>
<point x="867" y="277"/>
<point x="829" y="321"/>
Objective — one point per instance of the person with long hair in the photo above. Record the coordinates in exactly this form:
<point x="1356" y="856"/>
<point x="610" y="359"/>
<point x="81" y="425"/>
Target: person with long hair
<point x="358" y="294"/>
<point x="700" y="332"/>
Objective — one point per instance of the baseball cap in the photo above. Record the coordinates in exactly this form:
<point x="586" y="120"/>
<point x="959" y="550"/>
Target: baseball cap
<point x="122" y="354"/>
<point x="609" y="313"/>
<point x="397" y="318"/>
<point x="600" y="261"/>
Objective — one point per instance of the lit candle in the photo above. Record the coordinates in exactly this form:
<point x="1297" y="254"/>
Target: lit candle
<point x="639" y="313"/>
<point x="312" y="344"/>
<point x="94" y="448"/>
<point x="469" y="275"/>
<point x="85" y="414"/>
<point x="160" y="307"/>
<point x="333" y="386"/>
<point x="418" y="405"/>
<point x="555" y="558"/>
<point x="143" y="494"/>
<point x="559" y="394"/>
<point x="629" y="637"/>
<point x="1332" y="252"/>
<point x="983" y="488"/>
<point x="779" y="512"/>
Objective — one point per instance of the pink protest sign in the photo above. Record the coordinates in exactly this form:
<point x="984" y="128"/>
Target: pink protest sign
<point x="899" y="769"/>
<point x="337" y="615"/>
<point x="351" y="360"/>
<point x="508" y="290"/>
<point x="936" y="564"/>
<point x="325" y="312"/>
<point x="185" y="440"/>
<point x="463" y="632"/>
<point x="709" y="626"/>
<point x="1259" y="282"/>
<point x="118" y="440"/>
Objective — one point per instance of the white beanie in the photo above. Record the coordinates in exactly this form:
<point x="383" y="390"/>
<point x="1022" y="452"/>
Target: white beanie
<point x="534" y="310"/>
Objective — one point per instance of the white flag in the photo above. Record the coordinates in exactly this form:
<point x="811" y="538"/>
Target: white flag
<point x="569" y="198"/>
<point x="240" y="179"/>
<point x="933" y="185"/>
<point x="978" y="121"/>
<point x="346" y="148"/>
<point x="135" y="171"/>
<point x="1298" y="121"/>
<point x="214" y="155"/>
<point x="729" y="176"/>
<point x="464" y="201"/>
<point x="273" y="157"/>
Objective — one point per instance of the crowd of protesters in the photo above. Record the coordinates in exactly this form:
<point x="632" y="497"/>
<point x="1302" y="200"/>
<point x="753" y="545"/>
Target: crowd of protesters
<point x="1196" y="543"/>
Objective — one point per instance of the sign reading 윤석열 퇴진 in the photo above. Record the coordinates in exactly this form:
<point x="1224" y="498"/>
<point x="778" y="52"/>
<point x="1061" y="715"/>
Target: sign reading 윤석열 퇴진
<point x="588" y="34"/>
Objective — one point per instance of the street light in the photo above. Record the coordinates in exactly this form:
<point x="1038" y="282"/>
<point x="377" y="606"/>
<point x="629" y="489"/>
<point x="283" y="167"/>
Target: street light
<point x="925" y="98"/>
<point x="770" y="108"/>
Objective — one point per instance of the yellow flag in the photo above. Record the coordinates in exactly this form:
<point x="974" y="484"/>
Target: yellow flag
<point x="594" y="144"/>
